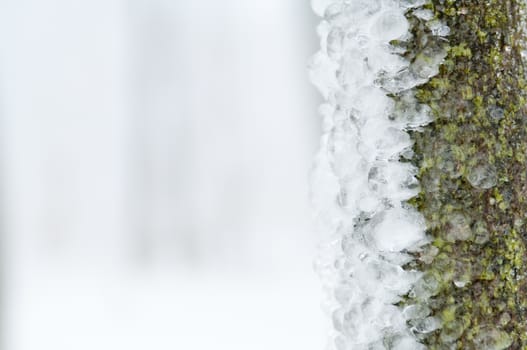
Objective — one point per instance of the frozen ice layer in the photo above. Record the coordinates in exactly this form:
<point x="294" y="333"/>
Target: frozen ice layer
<point x="361" y="182"/>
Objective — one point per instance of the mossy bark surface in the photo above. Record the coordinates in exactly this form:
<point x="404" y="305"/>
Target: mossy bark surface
<point x="472" y="169"/>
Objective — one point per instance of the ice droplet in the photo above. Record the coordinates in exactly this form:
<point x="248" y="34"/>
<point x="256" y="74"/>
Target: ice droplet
<point x="481" y="233"/>
<point x="483" y="176"/>
<point x="438" y="28"/>
<point x="451" y="331"/>
<point x="424" y="14"/>
<point x="505" y="318"/>
<point x="427" y="62"/>
<point x="399" y="229"/>
<point x="490" y="338"/>
<point x="462" y="274"/>
<point x="428" y="254"/>
<point x="496" y="112"/>
<point x="458" y="228"/>
<point x="426" y="287"/>
<point x="334" y="42"/>
<point x="426" y="325"/>
<point x="413" y="3"/>
<point x="460" y="284"/>
<point x="390" y="25"/>
<point x="416" y="311"/>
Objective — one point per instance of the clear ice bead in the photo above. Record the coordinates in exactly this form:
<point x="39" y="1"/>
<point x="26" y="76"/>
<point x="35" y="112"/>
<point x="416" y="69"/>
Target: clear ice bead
<point x="490" y="338"/>
<point x="390" y="25"/>
<point x="483" y="176"/>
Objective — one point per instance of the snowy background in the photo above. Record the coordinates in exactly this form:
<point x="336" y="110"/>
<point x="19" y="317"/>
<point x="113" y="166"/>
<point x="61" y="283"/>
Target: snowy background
<point x="154" y="175"/>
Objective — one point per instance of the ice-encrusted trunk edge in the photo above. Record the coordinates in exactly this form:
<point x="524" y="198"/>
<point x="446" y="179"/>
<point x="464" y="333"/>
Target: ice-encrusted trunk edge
<point x="364" y="176"/>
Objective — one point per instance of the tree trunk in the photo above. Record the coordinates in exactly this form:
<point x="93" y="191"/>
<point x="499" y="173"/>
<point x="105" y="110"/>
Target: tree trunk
<point x="472" y="170"/>
<point x="432" y="90"/>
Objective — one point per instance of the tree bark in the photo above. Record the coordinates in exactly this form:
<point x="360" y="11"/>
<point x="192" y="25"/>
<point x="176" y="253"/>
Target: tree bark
<point x="472" y="170"/>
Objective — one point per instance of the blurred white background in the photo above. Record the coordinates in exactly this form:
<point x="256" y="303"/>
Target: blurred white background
<point x="154" y="175"/>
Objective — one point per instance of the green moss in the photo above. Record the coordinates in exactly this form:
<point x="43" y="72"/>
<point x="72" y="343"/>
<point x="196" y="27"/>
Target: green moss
<point x="460" y="50"/>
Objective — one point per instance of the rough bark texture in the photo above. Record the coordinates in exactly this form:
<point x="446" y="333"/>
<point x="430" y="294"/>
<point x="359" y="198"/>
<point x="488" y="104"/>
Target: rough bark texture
<point x="472" y="162"/>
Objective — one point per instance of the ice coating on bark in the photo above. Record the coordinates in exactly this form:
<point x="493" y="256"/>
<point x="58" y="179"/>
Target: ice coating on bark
<point x="361" y="181"/>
